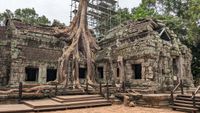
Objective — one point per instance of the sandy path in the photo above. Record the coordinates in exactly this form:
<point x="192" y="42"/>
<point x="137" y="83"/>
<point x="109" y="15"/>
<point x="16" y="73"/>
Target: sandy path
<point x="118" y="109"/>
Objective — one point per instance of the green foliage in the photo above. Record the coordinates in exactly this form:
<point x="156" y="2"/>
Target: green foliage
<point x="27" y="15"/>
<point x="58" y="23"/>
<point x="142" y="12"/>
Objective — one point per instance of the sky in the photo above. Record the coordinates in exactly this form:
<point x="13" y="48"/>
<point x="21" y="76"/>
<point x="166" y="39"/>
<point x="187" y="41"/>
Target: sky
<point x="53" y="9"/>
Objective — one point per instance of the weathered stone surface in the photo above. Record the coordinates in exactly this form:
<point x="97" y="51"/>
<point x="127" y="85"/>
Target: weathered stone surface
<point x="147" y="42"/>
<point x="159" y="53"/>
<point x="27" y="46"/>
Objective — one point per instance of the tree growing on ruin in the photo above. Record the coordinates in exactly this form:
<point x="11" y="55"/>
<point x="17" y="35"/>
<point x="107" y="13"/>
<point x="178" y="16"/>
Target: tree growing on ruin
<point x="82" y="47"/>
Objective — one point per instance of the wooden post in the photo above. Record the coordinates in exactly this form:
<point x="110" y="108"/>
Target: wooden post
<point x="193" y="99"/>
<point x="123" y="87"/>
<point x="100" y="88"/>
<point x="107" y="90"/>
<point x="20" y="92"/>
<point x="181" y="87"/>
<point x="172" y="98"/>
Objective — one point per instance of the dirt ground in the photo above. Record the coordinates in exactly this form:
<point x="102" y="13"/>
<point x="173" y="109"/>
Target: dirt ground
<point x="119" y="109"/>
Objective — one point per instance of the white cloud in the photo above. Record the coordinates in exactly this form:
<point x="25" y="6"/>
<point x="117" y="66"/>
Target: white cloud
<point x="53" y="9"/>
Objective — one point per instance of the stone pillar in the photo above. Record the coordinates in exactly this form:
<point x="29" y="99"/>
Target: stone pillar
<point x="42" y="74"/>
<point x="180" y="67"/>
<point x="128" y="71"/>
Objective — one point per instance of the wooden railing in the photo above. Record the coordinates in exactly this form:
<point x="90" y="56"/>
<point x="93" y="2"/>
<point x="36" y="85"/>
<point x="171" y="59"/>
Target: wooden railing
<point x="20" y="92"/>
<point x="194" y="95"/>
<point x="180" y="84"/>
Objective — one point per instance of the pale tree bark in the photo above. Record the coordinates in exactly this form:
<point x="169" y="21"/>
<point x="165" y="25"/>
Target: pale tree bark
<point x="83" y="45"/>
<point x="121" y="68"/>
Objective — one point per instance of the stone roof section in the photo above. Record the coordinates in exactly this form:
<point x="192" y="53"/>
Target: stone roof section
<point x="137" y="39"/>
<point x="133" y="28"/>
<point x="41" y="29"/>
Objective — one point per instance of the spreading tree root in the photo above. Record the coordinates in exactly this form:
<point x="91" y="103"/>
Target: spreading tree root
<point x="82" y="43"/>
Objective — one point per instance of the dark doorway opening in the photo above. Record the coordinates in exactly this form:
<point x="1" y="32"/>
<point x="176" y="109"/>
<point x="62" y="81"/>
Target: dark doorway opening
<point x="51" y="74"/>
<point x="137" y="68"/>
<point x="117" y="72"/>
<point x="82" y="73"/>
<point x="100" y="72"/>
<point x="31" y="74"/>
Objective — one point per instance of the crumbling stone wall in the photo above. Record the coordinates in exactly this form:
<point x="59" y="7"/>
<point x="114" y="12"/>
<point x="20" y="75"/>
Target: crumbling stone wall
<point x="4" y="57"/>
<point x="31" y="46"/>
<point x="4" y="62"/>
<point x="163" y="58"/>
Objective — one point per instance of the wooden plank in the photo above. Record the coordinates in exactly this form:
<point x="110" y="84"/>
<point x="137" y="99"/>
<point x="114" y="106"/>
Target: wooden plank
<point x="42" y="103"/>
<point x="15" y="108"/>
<point x="85" y="102"/>
<point x="76" y="97"/>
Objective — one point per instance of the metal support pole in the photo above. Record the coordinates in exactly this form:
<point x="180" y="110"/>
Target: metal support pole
<point x="20" y="92"/>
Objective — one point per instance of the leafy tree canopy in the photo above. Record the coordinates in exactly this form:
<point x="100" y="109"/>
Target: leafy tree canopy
<point x="27" y="15"/>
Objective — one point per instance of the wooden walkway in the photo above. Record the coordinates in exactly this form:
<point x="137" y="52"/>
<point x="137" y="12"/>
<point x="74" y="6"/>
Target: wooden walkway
<point x="57" y="103"/>
<point x="15" y="108"/>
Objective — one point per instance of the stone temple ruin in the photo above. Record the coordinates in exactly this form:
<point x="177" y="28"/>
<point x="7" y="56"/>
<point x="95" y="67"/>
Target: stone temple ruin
<point x="150" y="53"/>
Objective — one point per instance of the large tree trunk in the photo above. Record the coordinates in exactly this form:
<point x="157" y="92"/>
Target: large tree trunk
<point x="82" y="43"/>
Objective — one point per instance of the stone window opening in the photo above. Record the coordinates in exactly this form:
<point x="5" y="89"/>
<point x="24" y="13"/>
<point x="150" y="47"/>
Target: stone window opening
<point x="164" y="35"/>
<point x="100" y="72"/>
<point x="137" y="71"/>
<point x="31" y="74"/>
<point x="82" y="73"/>
<point x="51" y="74"/>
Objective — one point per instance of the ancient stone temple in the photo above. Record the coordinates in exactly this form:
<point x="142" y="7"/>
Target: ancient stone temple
<point x="28" y="53"/>
<point x="145" y="53"/>
<point x="141" y="53"/>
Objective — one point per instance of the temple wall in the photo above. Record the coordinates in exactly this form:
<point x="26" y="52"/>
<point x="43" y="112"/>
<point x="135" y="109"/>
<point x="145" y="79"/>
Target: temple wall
<point x="4" y="61"/>
<point x="33" y="50"/>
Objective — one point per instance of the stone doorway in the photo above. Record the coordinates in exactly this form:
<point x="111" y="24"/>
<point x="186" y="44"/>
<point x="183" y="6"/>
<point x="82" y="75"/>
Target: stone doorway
<point x="100" y="72"/>
<point x="137" y="71"/>
<point x="31" y="74"/>
<point x="51" y="74"/>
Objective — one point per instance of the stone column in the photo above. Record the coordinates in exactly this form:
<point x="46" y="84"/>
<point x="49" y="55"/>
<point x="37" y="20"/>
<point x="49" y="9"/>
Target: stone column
<point x="180" y="67"/>
<point x="129" y="71"/>
<point x="42" y="74"/>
